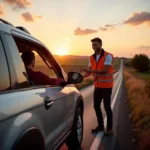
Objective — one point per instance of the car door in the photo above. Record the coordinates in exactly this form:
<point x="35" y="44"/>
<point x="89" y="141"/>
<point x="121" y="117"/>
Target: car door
<point x="70" y="103"/>
<point x="51" y="113"/>
<point x="59" y="96"/>
<point x="53" y="117"/>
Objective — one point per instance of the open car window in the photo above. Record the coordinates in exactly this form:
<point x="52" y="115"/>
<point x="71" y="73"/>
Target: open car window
<point x="45" y="65"/>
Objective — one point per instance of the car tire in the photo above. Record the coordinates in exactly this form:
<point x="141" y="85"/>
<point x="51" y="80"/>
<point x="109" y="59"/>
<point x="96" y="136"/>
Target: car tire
<point x="31" y="140"/>
<point x="75" y="139"/>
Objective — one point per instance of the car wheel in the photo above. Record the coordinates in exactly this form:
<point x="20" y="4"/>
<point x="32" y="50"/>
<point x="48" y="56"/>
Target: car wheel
<point x="75" y="139"/>
<point x="31" y="140"/>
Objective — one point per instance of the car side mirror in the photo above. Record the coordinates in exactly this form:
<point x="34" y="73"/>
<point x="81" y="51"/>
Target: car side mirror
<point x="74" y="78"/>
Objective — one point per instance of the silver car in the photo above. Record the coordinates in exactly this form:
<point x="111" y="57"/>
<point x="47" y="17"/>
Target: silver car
<point x="36" y="117"/>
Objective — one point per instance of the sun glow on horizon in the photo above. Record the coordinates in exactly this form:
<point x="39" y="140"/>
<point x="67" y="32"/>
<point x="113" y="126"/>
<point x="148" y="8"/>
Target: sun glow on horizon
<point x="61" y="52"/>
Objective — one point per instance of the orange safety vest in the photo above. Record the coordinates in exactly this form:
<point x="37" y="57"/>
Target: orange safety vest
<point x="102" y="80"/>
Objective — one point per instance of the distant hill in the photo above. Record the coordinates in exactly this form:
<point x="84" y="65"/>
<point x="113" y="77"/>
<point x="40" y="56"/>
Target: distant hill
<point x="71" y="57"/>
<point x="70" y="60"/>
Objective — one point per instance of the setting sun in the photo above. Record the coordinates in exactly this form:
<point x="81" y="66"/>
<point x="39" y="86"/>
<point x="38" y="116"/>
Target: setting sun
<point x="61" y="52"/>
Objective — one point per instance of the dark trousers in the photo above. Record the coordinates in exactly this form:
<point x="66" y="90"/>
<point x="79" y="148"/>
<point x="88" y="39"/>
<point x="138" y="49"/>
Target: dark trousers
<point x="105" y="94"/>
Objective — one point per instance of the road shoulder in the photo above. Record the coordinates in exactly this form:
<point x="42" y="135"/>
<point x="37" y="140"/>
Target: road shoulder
<point x="123" y="124"/>
<point x="122" y="127"/>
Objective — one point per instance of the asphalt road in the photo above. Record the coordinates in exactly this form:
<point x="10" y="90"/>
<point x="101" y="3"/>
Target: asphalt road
<point x="93" y="142"/>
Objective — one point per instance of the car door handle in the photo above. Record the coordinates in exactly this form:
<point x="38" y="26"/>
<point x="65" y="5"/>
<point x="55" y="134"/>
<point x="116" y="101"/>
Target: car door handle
<point x="48" y="102"/>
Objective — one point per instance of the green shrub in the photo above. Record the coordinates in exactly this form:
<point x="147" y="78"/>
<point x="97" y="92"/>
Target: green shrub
<point x="140" y="62"/>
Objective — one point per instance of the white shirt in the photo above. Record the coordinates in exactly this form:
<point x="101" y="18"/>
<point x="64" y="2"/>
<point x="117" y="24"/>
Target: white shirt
<point x="108" y="60"/>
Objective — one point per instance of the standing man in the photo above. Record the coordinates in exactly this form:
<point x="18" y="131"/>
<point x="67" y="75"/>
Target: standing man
<point x="100" y="66"/>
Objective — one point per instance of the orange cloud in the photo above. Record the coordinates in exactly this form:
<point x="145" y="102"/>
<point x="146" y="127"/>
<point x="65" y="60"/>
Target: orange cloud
<point x="108" y="27"/>
<point x="135" y="19"/>
<point x="18" y="4"/>
<point x="103" y="29"/>
<point x="79" y="31"/>
<point x="28" y="17"/>
<point x="2" y="10"/>
<point x="138" y="18"/>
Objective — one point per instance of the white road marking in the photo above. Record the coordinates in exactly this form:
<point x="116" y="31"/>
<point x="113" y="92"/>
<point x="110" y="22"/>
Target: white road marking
<point x="97" y="140"/>
<point x="96" y="143"/>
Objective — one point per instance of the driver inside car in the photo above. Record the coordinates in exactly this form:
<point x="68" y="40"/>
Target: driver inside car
<point x="37" y="77"/>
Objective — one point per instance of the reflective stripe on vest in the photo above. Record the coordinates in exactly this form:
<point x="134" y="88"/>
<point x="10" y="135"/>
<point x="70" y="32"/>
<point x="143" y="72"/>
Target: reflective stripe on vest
<point x="103" y="75"/>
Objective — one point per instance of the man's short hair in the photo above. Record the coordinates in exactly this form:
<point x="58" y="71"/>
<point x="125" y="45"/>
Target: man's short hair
<point x="97" y="40"/>
<point x="28" y="57"/>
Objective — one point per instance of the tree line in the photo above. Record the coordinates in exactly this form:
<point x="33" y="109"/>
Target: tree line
<point x="140" y="62"/>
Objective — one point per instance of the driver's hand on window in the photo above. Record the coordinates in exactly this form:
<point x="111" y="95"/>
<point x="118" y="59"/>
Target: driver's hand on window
<point x="59" y="81"/>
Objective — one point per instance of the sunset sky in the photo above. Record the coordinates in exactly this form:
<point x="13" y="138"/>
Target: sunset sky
<point x="67" y="26"/>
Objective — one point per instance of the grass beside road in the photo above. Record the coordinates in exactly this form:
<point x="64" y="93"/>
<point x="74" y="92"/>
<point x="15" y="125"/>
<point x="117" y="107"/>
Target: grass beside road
<point x="145" y="76"/>
<point x="138" y="88"/>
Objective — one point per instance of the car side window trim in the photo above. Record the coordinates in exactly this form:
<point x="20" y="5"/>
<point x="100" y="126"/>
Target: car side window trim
<point x="6" y="63"/>
<point x="13" y="78"/>
<point x="16" y="65"/>
<point x="6" y="59"/>
<point x="26" y="37"/>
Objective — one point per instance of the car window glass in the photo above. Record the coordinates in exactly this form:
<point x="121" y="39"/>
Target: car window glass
<point x="41" y="66"/>
<point x="4" y="74"/>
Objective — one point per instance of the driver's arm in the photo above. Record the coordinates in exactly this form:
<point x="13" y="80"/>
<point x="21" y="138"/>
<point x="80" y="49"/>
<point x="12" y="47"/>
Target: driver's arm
<point x="46" y="80"/>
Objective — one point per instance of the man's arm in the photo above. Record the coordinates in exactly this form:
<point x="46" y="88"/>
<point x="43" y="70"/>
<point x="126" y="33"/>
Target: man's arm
<point x="107" y="64"/>
<point x="104" y="71"/>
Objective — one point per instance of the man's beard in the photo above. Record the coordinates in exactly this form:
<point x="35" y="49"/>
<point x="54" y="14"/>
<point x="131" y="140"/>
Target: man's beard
<point x="97" y="50"/>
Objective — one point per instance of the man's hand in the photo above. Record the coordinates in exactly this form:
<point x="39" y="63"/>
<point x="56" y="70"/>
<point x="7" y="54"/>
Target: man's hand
<point x="87" y="72"/>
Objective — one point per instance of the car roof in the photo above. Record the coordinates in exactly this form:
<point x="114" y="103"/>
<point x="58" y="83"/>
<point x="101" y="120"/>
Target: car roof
<point x="8" y="29"/>
<point x="11" y="29"/>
